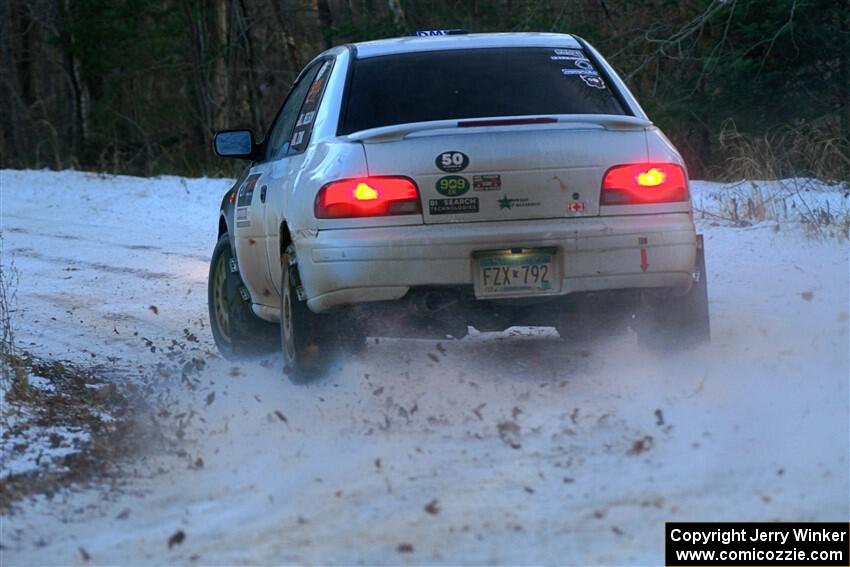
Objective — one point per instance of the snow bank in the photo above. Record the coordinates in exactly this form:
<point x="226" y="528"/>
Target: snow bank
<point x="821" y="209"/>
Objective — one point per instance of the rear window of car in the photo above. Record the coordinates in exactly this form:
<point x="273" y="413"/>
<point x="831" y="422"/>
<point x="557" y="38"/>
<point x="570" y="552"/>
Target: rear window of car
<point x="474" y="83"/>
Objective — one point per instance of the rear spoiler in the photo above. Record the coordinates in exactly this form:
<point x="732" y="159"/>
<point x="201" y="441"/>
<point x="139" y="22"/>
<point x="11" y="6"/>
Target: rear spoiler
<point x="399" y="131"/>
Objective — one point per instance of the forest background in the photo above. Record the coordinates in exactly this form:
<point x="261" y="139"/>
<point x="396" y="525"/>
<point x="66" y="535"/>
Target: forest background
<point x="744" y="88"/>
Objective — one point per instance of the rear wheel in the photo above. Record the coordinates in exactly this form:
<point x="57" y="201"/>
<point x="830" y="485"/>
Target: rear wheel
<point x="235" y="328"/>
<point x="677" y="322"/>
<point x="303" y="334"/>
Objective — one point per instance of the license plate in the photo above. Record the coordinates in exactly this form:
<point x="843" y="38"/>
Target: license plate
<point x="507" y="273"/>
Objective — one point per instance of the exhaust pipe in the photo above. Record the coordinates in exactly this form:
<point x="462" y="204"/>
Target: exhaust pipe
<point x="434" y="301"/>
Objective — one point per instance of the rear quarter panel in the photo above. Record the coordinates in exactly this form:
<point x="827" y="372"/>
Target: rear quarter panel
<point x="307" y="173"/>
<point x="227" y="208"/>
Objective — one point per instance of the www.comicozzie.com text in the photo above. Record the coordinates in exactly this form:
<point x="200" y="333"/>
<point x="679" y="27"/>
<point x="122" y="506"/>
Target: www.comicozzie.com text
<point x="743" y="534"/>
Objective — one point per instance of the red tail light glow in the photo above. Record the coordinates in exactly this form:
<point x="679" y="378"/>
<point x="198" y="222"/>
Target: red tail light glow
<point x="638" y="183"/>
<point x="367" y="197"/>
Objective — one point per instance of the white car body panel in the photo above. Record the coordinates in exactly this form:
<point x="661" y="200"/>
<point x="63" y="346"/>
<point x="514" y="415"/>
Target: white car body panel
<point x="380" y="47"/>
<point x="596" y="253"/>
<point x="546" y="164"/>
<point x="355" y="260"/>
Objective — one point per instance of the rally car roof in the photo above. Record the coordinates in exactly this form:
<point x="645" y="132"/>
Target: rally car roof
<point x="465" y="41"/>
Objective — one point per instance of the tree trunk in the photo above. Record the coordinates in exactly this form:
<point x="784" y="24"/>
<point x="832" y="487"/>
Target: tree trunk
<point x="196" y="41"/>
<point x="80" y="100"/>
<point x="219" y="81"/>
<point x="325" y="19"/>
<point x="252" y="85"/>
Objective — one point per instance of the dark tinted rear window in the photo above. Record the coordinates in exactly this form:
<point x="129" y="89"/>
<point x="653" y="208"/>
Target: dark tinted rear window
<point x="474" y="83"/>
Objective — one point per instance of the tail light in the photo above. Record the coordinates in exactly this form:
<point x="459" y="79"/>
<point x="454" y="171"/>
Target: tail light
<point x="367" y="197"/>
<point x="638" y="183"/>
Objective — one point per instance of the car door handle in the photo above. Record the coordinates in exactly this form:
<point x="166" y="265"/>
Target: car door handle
<point x="263" y="194"/>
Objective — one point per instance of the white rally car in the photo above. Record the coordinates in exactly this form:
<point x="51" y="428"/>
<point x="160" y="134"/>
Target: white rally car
<point x="419" y="185"/>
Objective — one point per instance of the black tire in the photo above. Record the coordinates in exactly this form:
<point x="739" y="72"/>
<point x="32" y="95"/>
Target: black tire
<point x="677" y="322"/>
<point x="304" y="337"/>
<point x="235" y="328"/>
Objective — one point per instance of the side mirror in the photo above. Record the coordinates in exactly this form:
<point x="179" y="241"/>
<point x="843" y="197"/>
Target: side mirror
<point x="235" y="144"/>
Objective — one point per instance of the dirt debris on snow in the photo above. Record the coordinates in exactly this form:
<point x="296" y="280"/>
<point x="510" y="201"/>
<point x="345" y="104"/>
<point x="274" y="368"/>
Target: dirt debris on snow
<point x="504" y="506"/>
<point x="176" y="538"/>
<point x="509" y="432"/>
<point x="433" y="507"/>
<point x="405" y="548"/>
<point x="642" y="445"/>
<point x="63" y="424"/>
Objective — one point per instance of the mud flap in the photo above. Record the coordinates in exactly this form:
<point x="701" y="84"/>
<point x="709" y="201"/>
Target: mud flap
<point x="675" y="322"/>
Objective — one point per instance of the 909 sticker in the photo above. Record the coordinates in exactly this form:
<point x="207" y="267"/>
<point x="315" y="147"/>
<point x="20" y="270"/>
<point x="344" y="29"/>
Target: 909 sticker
<point x="452" y="185"/>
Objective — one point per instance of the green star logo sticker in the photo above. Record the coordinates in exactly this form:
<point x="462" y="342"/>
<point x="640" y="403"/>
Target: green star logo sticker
<point x="505" y="203"/>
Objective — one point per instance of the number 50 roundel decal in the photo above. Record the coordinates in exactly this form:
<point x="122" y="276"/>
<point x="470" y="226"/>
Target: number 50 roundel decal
<point x="452" y="162"/>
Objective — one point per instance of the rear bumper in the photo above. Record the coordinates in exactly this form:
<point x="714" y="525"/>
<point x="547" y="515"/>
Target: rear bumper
<point x="349" y="266"/>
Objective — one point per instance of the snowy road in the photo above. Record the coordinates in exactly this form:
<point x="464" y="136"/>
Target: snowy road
<point x="534" y="451"/>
